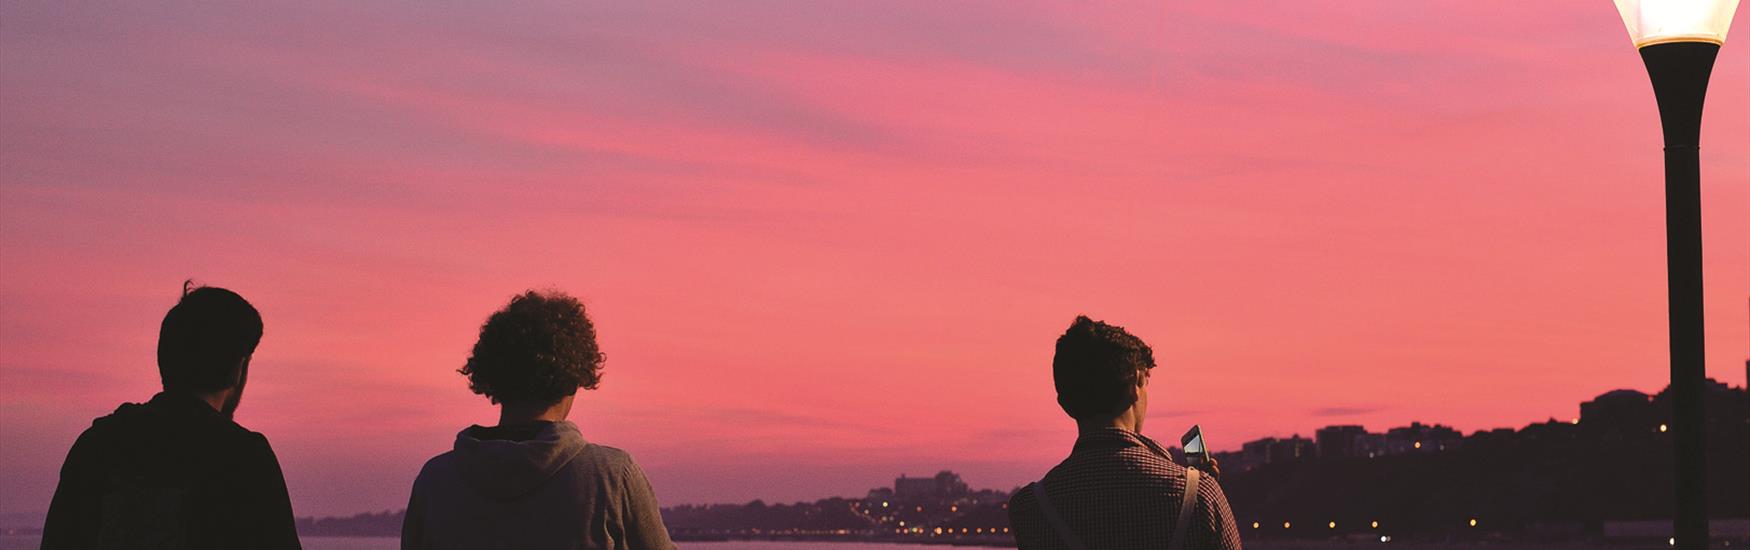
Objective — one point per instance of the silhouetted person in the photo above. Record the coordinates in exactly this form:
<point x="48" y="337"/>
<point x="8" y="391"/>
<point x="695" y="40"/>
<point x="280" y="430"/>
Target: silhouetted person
<point x="1118" y="488"/>
<point x="532" y="482"/>
<point x="176" y="472"/>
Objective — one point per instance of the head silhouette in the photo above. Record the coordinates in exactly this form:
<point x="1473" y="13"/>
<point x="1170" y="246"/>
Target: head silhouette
<point x="538" y="350"/>
<point x="1099" y="371"/>
<point x="205" y="343"/>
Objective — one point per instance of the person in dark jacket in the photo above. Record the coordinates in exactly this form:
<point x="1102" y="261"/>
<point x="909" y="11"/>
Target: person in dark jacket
<point x="176" y="471"/>
<point x="532" y="481"/>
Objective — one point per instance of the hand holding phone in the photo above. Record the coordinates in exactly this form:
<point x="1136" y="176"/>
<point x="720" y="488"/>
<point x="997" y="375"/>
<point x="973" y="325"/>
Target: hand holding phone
<point x="1196" y="453"/>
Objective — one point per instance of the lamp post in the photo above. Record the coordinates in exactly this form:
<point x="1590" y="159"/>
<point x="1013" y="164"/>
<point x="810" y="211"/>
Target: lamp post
<point x="1678" y="40"/>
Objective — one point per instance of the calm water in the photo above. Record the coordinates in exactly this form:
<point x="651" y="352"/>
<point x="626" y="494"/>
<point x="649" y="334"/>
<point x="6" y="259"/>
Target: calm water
<point x="17" y="542"/>
<point x="21" y="542"/>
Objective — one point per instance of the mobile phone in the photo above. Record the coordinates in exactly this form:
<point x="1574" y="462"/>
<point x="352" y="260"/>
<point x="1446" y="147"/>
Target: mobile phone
<point x="1195" y="452"/>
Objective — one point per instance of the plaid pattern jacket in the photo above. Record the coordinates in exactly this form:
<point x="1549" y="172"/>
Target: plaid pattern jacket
<point x="1119" y="490"/>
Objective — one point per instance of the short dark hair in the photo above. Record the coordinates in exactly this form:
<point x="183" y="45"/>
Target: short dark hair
<point x="205" y="338"/>
<point x="1096" y="369"/>
<point x="540" y="348"/>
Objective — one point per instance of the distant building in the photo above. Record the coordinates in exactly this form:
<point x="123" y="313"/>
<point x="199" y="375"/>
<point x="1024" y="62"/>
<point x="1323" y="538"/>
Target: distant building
<point x="1271" y="450"/>
<point x="945" y="485"/>
<point x="1726" y="408"/>
<point x="1419" y="437"/>
<point x="1339" y="441"/>
<point x="1370" y="445"/>
<point x="906" y="488"/>
<point x="1291" y="448"/>
<point x="1232" y="461"/>
<point x="1256" y="453"/>
<point x="1493" y="439"/>
<point x="1620" y="413"/>
<point x="877" y="496"/>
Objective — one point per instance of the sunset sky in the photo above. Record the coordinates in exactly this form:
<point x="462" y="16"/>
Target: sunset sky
<point x="829" y="243"/>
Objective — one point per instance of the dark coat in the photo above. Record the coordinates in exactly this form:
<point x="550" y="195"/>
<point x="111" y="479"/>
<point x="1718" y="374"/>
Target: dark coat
<point x="170" y="473"/>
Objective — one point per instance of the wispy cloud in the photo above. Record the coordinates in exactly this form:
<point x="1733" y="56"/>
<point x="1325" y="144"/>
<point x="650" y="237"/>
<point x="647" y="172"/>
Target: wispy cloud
<point x="1344" y="411"/>
<point x="823" y="240"/>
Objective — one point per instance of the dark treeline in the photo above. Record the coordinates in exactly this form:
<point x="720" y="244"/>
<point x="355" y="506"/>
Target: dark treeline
<point x="377" y="524"/>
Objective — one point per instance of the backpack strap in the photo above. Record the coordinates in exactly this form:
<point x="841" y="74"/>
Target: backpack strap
<point x="1057" y="524"/>
<point x="1186" y="508"/>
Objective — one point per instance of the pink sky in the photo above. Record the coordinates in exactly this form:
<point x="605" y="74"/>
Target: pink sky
<point x="829" y="244"/>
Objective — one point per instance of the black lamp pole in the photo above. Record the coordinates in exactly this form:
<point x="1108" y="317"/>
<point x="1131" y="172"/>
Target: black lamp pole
<point x="1680" y="71"/>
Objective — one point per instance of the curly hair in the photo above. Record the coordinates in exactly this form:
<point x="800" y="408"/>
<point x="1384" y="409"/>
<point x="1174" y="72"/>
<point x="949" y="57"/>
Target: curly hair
<point x="540" y="348"/>
<point x="1097" y="368"/>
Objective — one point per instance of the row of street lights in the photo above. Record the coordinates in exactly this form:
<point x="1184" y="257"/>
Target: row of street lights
<point x="1333" y="524"/>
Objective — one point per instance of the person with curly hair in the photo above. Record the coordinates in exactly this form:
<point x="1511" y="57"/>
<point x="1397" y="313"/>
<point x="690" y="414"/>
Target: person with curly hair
<point x="532" y="481"/>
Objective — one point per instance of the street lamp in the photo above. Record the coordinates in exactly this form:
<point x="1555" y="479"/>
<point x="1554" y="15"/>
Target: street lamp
<point x="1678" y="40"/>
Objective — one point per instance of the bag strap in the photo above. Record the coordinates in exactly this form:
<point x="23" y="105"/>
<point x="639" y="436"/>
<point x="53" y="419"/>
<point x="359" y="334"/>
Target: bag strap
<point x="1186" y="508"/>
<point x="1057" y="524"/>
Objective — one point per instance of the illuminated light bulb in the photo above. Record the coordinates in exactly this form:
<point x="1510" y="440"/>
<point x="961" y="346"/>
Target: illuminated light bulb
<point x="1652" y="22"/>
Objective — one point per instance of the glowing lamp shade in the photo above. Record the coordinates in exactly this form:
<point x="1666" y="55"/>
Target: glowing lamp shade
<point x="1660" y="21"/>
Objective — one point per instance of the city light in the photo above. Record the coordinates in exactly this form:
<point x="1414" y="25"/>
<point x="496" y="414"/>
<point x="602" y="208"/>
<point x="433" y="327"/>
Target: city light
<point x="1255" y="525"/>
<point x="1333" y="525"/>
<point x="1284" y="525"/>
<point x="883" y="504"/>
<point x="1473" y="522"/>
<point x="1376" y="524"/>
<point x="1663" y="428"/>
<point x="1385" y="538"/>
<point x="1418" y="444"/>
<point x="938" y="530"/>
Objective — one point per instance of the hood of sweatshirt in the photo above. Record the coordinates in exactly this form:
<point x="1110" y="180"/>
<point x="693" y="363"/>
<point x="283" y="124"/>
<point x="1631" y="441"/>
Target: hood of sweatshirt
<point x="509" y="462"/>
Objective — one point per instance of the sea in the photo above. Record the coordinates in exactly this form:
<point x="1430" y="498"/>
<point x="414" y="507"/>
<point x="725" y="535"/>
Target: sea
<point x="32" y="542"/>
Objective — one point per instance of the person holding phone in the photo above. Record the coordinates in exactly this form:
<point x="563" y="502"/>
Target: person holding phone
<point x="1118" y="489"/>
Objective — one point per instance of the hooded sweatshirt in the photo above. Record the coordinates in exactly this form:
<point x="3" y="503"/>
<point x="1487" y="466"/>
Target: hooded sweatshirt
<point x="170" y="473"/>
<point x="533" y="486"/>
